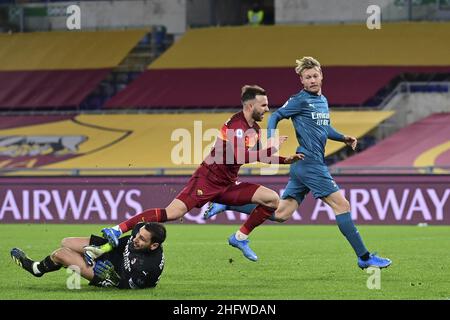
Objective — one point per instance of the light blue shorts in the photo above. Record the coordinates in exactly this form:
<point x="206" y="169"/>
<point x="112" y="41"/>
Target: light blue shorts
<point x="305" y="176"/>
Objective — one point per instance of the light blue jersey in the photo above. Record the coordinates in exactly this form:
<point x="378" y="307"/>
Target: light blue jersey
<point x="311" y="119"/>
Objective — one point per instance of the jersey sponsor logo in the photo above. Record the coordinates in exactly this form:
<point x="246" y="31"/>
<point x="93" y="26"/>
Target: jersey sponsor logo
<point x="320" y="115"/>
<point x="133" y="261"/>
<point x="126" y="254"/>
<point x="322" y="118"/>
<point x="311" y="105"/>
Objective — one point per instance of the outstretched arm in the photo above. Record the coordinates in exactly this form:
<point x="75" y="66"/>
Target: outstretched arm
<point x="244" y="155"/>
<point x="274" y="159"/>
<point x="336" y="136"/>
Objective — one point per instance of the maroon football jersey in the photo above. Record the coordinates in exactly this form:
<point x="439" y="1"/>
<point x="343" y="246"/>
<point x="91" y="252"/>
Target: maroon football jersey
<point x="237" y="144"/>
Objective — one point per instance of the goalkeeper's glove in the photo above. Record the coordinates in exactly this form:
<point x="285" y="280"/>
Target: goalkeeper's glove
<point x="105" y="274"/>
<point x="112" y="235"/>
<point x="91" y="253"/>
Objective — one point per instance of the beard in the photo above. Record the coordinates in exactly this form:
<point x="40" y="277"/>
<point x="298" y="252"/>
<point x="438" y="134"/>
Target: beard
<point x="256" y="116"/>
<point x="132" y="248"/>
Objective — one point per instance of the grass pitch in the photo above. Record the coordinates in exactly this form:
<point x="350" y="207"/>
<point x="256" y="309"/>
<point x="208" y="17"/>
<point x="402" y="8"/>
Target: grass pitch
<point x="295" y="262"/>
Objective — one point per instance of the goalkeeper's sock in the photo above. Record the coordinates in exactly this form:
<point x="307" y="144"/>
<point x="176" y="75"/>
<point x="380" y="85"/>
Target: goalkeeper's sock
<point x="22" y="260"/>
<point x="46" y="265"/>
<point x="348" y="229"/>
<point x="35" y="270"/>
<point x="150" y="215"/>
<point x="256" y="218"/>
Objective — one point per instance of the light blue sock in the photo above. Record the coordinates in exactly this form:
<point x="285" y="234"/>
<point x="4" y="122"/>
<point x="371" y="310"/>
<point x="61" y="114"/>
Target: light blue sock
<point x="246" y="208"/>
<point x="348" y="229"/>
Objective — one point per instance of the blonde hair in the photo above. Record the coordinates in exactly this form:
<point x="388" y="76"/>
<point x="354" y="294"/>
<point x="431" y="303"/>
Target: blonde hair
<point x="306" y="63"/>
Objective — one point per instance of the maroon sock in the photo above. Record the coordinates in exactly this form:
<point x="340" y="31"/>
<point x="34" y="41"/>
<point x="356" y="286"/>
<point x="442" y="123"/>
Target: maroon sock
<point x="150" y="215"/>
<point x="257" y="217"/>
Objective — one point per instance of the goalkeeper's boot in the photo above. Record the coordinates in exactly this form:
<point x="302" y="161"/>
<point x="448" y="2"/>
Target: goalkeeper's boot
<point x="21" y="259"/>
<point x="374" y="261"/>
<point x="213" y="209"/>
<point x="112" y="235"/>
<point x="243" y="246"/>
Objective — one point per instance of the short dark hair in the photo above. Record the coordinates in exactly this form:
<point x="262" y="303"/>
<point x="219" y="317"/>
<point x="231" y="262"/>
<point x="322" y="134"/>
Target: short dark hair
<point x="249" y="92"/>
<point x="157" y="230"/>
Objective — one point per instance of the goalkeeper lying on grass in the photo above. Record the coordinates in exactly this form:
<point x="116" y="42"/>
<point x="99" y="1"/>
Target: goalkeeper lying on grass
<point x="136" y="262"/>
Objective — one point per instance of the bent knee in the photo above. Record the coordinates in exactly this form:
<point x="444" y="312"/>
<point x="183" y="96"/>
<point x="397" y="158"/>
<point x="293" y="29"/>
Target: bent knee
<point x="174" y="213"/>
<point x="273" y="204"/>
<point x="65" y="242"/>
<point x="273" y="201"/>
<point x="343" y="207"/>
<point x="282" y="216"/>
<point x="59" y="255"/>
<point x="281" y="219"/>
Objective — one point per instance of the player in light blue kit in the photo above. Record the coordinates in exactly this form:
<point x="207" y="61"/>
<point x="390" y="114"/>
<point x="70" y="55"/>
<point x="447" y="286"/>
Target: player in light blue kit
<point x="309" y="113"/>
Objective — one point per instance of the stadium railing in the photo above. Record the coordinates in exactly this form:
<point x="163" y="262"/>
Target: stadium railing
<point x="416" y="87"/>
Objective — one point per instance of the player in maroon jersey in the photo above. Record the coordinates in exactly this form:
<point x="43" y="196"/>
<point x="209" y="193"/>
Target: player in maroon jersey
<point x="216" y="179"/>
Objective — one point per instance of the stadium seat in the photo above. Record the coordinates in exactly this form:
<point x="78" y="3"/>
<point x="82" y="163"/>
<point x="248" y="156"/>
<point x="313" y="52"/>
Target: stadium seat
<point x="49" y="70"/>
<point x="206" y="67"/>
<point x="423" y="143"/>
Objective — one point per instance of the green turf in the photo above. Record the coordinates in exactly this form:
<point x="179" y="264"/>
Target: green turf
<point x="296" y="262"/>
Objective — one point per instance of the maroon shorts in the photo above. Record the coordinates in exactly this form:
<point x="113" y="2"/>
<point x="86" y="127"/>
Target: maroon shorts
<point x="204" y="186"/>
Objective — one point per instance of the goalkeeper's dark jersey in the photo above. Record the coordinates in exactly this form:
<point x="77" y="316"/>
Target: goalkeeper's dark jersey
<point x="136" y="268"/>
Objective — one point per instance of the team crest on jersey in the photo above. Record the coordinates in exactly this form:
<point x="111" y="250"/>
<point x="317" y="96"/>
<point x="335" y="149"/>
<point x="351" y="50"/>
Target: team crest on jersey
<point x="199" y="192"/>
<point x="250" y="141"/>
